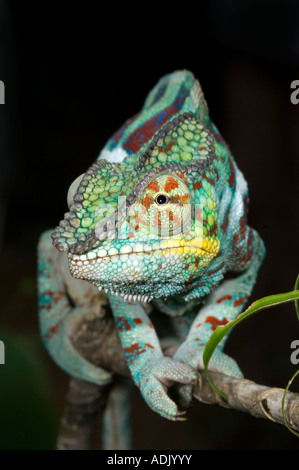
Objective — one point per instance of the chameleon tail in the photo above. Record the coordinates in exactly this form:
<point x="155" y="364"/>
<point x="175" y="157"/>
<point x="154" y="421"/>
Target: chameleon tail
<point x="116" y="428"/>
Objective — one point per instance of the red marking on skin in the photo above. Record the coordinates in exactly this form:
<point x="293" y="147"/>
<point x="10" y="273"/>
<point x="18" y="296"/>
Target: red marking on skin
<point x="226" y="220"/>
<point x="123" y="324"/>
<point x="50" y="261"/>
<point x="183" y="199"/>
<point x="48" y="276"/>
<point x="60" y="295"/>
<point x="222" y="299"/>
<point x="240" y="301"/>
<point x="208" y="178"/>
<point x="150" y="325"/>
<point x="196" y="339"/>
<point x="191" y="277"/>
<point x="136" y="228"/>
<point x="213" y="271"/>
<point x="243" y="226"/>
<point x="147" y="380"/>
<point x="151" y="391"/>
<point x="48" y="292"/>
<point x="197" y="185"/>
<point x="135" y="350"/>
<point x="147" y="201"/>
<point x="160" y="266"/>
<point x="198" y="325"/>
<point x="46" y="307"/>
<point x="202" y="148"/>
<point x="154" y="186"/>
<point x="137" y="321"/>
<point x="170" y="184"/>
<point x="215" y="322"/>
<point x="143" y="133"/>
<point x="197" y="261"/>
<point x="182" y="176"/>
<point x="217" y="174"/>
<point x="236" y="238"/>
<point x="186" y="266"/>
<point x="52" y="331"/>
<point x="118" y="134"/>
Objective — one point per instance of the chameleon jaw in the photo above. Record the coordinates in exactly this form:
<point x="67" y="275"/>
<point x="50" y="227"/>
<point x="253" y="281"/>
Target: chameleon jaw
<point x="129" y="297"/>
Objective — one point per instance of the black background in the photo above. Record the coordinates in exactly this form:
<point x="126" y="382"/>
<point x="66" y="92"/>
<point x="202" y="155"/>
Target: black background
<point x="72" y="77"/>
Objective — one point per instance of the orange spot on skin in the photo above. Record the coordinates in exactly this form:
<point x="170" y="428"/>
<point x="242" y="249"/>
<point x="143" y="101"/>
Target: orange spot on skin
<point x="154" y="186"/>
<point x="52" y="331"/>
<point x="137" y="321"/>
<point x="147" y="201"/>
<point x="240" y="301"/>
<point x="183" y="199"/>
<point x="222" y="299"/>
<point x="170" y="184"/>
<point x="215" y="322"/>
<point x="181" y="175"/>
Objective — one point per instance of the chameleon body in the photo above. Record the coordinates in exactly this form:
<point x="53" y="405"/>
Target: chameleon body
<point x="158" y="222"/>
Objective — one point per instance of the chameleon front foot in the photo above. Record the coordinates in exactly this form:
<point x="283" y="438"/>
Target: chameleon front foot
<point x="157" y="377"/>
<point x="220" y="362"/>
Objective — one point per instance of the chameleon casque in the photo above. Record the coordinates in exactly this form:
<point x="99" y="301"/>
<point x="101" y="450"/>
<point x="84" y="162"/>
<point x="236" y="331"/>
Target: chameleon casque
<point x="195" y="260"/>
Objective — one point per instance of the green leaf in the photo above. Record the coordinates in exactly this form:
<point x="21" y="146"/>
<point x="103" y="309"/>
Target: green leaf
<point x="296" y="301"/>
<point x="221" y="331"/>
<point x="283" y="400"/>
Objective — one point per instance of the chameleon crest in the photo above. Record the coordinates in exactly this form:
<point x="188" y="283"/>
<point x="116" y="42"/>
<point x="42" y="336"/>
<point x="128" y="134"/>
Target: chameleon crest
<point x="160" y="217"/>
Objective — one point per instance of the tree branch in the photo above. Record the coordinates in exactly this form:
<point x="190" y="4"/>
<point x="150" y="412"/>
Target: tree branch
<point x="97" y="340"/>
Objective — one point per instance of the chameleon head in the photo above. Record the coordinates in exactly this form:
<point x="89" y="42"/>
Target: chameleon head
<point x="146" y="227"/>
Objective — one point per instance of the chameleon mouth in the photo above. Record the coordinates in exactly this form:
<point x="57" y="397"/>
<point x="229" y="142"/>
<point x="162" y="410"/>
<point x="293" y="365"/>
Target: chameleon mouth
<point x="100" y="266"/>
<point x="196" y="246"/>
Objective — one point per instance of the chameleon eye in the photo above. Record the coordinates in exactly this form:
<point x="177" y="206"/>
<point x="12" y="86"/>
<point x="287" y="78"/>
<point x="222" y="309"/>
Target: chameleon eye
<point x="161" y="199"/>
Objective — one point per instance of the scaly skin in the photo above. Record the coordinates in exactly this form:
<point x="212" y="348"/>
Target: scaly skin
<point x="186" y="247"/>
